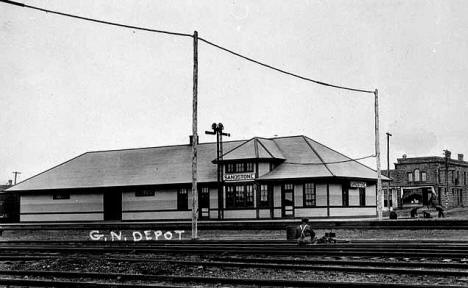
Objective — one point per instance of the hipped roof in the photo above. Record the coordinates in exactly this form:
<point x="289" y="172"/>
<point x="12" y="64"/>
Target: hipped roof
<point x="301" y="157"/>
<point x="255" y="148"/>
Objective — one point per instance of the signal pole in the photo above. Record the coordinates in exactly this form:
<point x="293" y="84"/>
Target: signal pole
<point x="195" y="139"/>
<point x="218" y="131"/>
<point x="16" y="174"/>
<point x="377" y="156"/>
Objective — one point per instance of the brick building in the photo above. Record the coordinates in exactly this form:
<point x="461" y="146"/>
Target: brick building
<point x="418" y="181"/>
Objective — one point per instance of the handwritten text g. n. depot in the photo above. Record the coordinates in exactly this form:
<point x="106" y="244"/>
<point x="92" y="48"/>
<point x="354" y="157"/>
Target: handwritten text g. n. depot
<point x="147" y="235"/>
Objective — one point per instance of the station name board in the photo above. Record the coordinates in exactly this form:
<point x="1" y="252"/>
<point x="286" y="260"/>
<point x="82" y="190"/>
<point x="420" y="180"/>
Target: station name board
<point x="357" y="184"/>
<point x="239" y="177"/>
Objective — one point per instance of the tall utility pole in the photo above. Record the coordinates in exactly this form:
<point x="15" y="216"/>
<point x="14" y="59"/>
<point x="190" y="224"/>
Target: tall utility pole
<point x="388" y="170"/>
<point x="16" y="175"/>
<point x="195" y="139"/>
<point x="447" y="157"/>
<point x="218" y="131"/>
<point x="377" y="156"/>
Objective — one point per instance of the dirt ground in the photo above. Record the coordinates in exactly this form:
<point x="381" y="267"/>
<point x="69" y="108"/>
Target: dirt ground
<point x="344" y="234"/>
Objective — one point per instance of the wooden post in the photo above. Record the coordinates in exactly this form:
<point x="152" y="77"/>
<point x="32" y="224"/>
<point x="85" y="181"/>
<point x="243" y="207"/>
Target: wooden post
<point x="377" y="156"/>
<point x="388" y="171"/>
<point x="195" y="139"/>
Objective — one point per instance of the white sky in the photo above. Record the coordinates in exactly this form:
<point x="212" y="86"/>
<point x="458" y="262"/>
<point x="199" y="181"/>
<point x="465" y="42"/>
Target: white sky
<point x="69" y="86"/>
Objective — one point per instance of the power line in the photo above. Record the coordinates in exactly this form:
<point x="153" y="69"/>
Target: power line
<point x="188" y="35"/>
<point x="96" y="20"/>
<point x="325" y="163"/>
<point x="281" y="70"/>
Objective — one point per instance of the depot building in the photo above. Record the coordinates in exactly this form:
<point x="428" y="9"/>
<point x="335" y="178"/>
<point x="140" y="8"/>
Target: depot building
<point x="262" y="178"/>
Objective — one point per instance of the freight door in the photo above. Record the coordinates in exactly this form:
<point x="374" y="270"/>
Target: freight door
<point x="287" y="201"/>
<point x="112" y="205"/>
<point x="204" y="203"/>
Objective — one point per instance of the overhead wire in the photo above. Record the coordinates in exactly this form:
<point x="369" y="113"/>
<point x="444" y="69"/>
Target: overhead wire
<point x="281" y="70"/>
<point x="326" y="163"/>
<point x="96" y="20"/>
<point x="188" y="35"/>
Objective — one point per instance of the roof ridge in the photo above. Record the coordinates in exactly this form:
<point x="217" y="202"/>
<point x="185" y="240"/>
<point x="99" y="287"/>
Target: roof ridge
<point x="204" y="143"/>
<point x="268" y="151"/>
<point x="316" y="153"/>
<point x="154" y="147"/>
<point x="256" y="147"/>
<point x="245" y="142"/>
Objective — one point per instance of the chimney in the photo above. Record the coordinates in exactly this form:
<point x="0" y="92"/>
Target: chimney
<point x="404" y="156"/>
<point x="191" y="140"/>
<point x="10" y="182"/>
<point x="460" y="157"/>
<point x="447" y="154"/>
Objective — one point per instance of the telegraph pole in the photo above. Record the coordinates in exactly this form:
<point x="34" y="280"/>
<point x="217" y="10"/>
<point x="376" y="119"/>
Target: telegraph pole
<point x="16" y="174"/>
<point x="388" y="170"/>
<point x="195" y="139"/>
<point x="377" y="156"/>
<point x="447" y="157"/>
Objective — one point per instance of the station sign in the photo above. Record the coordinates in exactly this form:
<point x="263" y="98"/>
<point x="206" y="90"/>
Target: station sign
<point x="357" y="184"/>
<point x="239" y="177"/>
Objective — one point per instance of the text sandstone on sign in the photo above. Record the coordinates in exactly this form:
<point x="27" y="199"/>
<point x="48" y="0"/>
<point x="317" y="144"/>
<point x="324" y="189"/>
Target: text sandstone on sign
<point x="239" y="177"/>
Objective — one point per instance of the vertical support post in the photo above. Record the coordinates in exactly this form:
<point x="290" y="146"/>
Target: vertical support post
<point x="220" y="181"/>
<point x="447" y="156"/>
<point x="195" y="139"/>
<point x="377" y="156"/>
<point x="218" y="169"/>
<point x="388" y="171"/>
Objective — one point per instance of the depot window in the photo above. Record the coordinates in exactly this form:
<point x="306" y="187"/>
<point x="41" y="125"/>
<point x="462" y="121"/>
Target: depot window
<point x="61" y="195"/>
<point x="309" y="195"/>
<point x="345" y="196"/>
<point x="182" y="199"/>
<point x="265" y="195"/>
<point x="416" y="175"/>
<point x="362" y="196"/>
<point x="204" y="197"/>
<point x="145" y="193"/>
<point x="239" y="167"/>
<point x="240" y="196"/>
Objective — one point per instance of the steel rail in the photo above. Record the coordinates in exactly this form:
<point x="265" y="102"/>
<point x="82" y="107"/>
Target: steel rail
<point x="277" y="265"/>
<point x="250" y="251"/>
<point x="174" y="243"/>
<point x="228" y="261"/>
<point x="248" y="242"/>
<point x="381" y="263"/>
<point x="187" y="279"/>
<point x="393" y="248"/>
<point x="293" y="248"/>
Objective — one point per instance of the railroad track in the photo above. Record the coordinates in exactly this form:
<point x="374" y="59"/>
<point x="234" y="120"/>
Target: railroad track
<point x="369" y="249"/>
<point x="399" y="267"/>
<point x="44" y="251"/>
<point x="55" y="279"/>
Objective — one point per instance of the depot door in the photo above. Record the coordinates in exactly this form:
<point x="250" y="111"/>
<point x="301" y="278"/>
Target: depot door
<point x="112" y="205"/>
<point x="287" y="201"/>
<point x="204" y="203"/>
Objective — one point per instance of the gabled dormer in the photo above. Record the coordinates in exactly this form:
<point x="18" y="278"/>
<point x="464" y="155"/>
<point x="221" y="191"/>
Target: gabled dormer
<point x="251" y="159"/>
